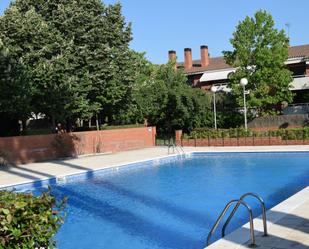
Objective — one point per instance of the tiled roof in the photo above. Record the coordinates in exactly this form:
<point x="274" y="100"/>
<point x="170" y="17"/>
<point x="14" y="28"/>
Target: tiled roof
<point x="299" y="51"/>
<point x="218" y="63"/>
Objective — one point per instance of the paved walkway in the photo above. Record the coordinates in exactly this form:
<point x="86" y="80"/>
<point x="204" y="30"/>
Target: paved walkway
<point x="44" y="170"/>
<point x="288" y="222"/>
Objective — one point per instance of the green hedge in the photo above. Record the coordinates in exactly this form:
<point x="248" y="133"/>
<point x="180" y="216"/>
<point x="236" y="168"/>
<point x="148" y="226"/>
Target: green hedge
<point x="114" y="127"/>
<point x="108" y="127"/>
<point x="28" y="222"/>
<point x="286" y="134"/>
<point x="31" y="132"/>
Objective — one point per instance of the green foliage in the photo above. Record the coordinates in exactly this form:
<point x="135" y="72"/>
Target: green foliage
<point x="285" y="134"/>
<point x="114" y="127"/>
<point x="71" y="60"/>
<point x="42" y="131"/>
<point x="14" y="85"/>
<point x="29" y="222"/>
<point x="75" y="54"/>
<point x="211" y="133"/>
<point x="291" y="134"/>
<point x="229" y="118"/>
<point x="163" y="97"/>
<point x="260" y="51"/>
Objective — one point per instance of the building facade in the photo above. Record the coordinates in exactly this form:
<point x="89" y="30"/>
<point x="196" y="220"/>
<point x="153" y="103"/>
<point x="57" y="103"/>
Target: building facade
<point x="208" y="71"/>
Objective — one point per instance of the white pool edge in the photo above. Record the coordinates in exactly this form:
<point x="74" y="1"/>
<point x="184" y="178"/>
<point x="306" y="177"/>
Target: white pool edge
<point x="241" y="236"/>
<point x="116" y="166"/>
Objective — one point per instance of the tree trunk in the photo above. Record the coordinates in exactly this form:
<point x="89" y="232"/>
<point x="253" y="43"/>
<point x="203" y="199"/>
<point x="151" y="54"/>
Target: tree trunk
<point x="53" y="122"/>
<point x="23" y="124"/>
<point x="97" y="122"/>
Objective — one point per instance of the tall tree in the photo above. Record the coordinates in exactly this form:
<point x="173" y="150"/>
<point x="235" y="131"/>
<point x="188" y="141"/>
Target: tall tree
<point x="164" y="98"/>
<point x="76" y="53"/>
<point x="260" y="51"/>
<point x="15" y="94"/>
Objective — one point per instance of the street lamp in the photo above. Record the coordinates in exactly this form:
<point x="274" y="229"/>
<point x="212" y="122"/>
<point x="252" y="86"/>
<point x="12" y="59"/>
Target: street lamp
<point x="243" y="82"/>
<point x="214" y="89"/>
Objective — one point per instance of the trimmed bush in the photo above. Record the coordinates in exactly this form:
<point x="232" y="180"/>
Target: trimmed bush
<point x="285" y="134"/>
<point x="32" y="132"/>
<point x="114" y="127"/>
<point x="108" y="127"/>
<point x="211" y="133"/>
<point x="28" y="222"/>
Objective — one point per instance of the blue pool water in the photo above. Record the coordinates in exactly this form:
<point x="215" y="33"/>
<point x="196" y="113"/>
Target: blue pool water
<point x="172" y="203"/>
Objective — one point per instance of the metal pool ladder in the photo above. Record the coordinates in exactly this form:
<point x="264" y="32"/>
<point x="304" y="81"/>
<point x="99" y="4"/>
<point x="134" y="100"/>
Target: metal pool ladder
<point x="239" y="202"/>
<point x="176" y="148"/>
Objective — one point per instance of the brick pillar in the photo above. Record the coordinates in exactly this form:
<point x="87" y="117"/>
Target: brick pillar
<point x="154" y="134"/>
<point x="307" y="69"/>
<point x="178" y="135"/>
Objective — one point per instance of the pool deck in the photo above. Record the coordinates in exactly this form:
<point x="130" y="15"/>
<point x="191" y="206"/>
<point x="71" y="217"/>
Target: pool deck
<point x="288" y="222"/>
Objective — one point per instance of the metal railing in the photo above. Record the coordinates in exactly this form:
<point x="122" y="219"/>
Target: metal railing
<point x="297" y="108"/>
<point x="176" y="148"/>
<point x="239" y="202"/>
<point x="237" y="206"/>
<point x="251" y="138"/>
<point x="222" y="215"/>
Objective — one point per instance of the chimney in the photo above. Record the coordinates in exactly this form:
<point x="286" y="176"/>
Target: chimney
<point x="188" y="58"/>
<point x="204" y="56"/>
<point x="172" y="57"/>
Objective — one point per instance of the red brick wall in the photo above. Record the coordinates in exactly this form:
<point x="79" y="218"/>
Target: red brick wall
<point x="27" y="149"/>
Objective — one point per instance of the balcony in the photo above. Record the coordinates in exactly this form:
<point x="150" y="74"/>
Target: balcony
<point x="300" y="82"/>
<point x="300" y="108"/>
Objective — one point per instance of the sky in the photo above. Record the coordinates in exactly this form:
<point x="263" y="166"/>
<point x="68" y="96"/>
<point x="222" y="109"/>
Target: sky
<point x="163" y="25"/>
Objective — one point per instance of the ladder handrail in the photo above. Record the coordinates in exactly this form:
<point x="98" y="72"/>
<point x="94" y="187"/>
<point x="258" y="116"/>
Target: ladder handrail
<point x="181" y="149"/>
<point x="178" y="148"/>
<point x="260" y="199"/>
<point x="224" y="212"/>
<point x="168" y="148"/>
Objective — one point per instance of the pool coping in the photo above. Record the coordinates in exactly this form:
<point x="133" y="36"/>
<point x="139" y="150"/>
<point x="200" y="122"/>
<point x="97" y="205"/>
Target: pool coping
<point x="240" y="237"/>
<point x="55" y="179"/>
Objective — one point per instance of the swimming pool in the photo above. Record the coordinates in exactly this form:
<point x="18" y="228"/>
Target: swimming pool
<point x="172" y="202"/>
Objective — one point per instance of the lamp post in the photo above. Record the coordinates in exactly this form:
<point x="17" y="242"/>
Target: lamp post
<point x="214" y="89"/>
<point x="243" y="82"/>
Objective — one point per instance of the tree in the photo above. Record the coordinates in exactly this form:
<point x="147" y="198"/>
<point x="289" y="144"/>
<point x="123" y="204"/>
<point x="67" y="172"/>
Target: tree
<point x="15" y="94"/>
<point x="260" y="51"/>
<point x="76" y="54"/>
<point x="165" y="99"/>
